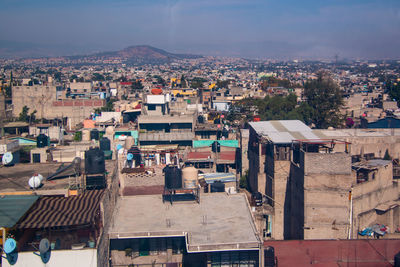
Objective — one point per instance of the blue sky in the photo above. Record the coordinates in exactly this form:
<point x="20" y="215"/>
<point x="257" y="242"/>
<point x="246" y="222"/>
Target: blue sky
<point x="282" y="29"/>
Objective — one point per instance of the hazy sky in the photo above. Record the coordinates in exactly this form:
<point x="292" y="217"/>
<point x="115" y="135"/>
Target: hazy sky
<point x="248" y="28"/>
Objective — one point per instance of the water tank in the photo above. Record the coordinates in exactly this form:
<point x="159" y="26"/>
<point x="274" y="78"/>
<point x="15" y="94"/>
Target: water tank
<point x="225" y="133"/>
<point x="397" y="260"/>
<point x="217" y="186"/>
<point x="136" y="155"/>
<point x="172" y="177"/>
<point x="110" y="130"/>
<point x="94" y="161"/>
<point x="125" y="118"/>
<point x="105" y="144"/>
<point x="200" y="119"/>
<point x="269" y="257"/>
<point x="42" y="140"/>
<point x="94" y="134"/>
<point x="216" y="147"/>
<point x="190" y="177"/>
<point x="129" y="142"/>
<point x="85" y="135"/>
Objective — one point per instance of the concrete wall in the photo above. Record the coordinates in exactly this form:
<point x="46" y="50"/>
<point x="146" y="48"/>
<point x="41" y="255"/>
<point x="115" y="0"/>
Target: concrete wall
<point x="54" y="132"/>
<point x="37" y="97"/>
<point x="43" y="99"/>
<point x="244" y="146"/>
<point x="281" y="176"/>
<point x="59" y="258"/>
<point x="107" y="207"/>
<point x="254" y="161"/>
<point x="369" y="195"/>
<point x="327" y="181"/>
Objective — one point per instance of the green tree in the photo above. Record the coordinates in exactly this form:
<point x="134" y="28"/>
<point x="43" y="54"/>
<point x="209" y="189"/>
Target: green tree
<point x="183" y="82"/>
<point x="98" y="77"/>
<point x="387" y="155"/>
<point x="23" y="116"/>
<point x="325" y="99"/>
<point x="394" y="91"/>
<point x="222" y="84"/>
<point x="197" y="82"/>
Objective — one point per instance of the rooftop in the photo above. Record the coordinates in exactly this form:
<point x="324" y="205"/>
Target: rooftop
<point x="219" y="222"/>
<point x="285" y="131"/>
<point x="165" y="119"/>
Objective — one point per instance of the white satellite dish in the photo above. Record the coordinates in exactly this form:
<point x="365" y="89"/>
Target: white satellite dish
<point x="44" y="245"/>
<point x="7" y="158"/>
<point x="35" y="181"/>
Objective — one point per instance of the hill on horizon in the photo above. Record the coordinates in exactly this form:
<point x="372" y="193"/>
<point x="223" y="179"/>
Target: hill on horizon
<point x="132" y="54"/>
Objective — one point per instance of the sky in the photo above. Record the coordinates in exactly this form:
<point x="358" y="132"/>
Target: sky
<point x="276" y="29"/>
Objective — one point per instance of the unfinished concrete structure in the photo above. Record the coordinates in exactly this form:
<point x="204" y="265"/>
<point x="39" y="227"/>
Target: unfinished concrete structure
<point x="306" y="179"/>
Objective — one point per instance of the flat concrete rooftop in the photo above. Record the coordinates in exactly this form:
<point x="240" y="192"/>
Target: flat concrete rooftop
<point x="219" y="222"/>
<point x="14" y="179"/>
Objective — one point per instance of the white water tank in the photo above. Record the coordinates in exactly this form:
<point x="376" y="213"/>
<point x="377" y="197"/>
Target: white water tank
<point x="129" y="142"/>
<point x="110" y="130"/>
<point x="190" y="177"/>
<point x="85" y="135"/>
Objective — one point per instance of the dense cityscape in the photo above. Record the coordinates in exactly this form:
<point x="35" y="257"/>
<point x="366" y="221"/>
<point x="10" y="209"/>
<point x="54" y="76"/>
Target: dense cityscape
<point x="199" y="133"/>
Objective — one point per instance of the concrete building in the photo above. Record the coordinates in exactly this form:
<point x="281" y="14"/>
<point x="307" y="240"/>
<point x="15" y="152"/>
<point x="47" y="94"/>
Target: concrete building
<point x="166" y="130"/>
<point x="218" y="230"/>
<point x="43" y="99"/>
<point x="306" y="179"/>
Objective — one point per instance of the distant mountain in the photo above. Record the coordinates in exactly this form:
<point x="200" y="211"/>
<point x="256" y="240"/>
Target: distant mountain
<point x="144" y="54"/>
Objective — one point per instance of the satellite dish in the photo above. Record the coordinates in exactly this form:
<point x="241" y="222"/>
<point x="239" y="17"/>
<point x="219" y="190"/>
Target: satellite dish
<point x="7" y="158"/>
<point x="44" y="245"/>
<point x="44" y="250"/>
<point x="10" y="249"/>
<point x="10" y="245"/>
<point x="129" y="156"/>
<point x="35" y="181"/>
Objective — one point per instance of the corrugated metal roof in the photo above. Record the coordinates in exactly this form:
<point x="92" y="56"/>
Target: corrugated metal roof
<point x="218" y="176"/>
<point x="285" y="131"/>
<point x="13" y="207"/>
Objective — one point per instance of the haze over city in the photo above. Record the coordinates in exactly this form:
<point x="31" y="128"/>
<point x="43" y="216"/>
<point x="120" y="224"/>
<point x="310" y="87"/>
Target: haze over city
<point x="367" y="29"/>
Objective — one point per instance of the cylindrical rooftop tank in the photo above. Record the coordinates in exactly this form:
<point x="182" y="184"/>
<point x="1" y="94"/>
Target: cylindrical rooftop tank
<point x="190" y="177"/>
<point x="94" y="161"/>
<point x="172" y="177"/>
<point x="42" y="140"/>
<point x="85" y="135"/>
<point x="105" y="144"/>
<point x="129" y="142"/>
<point x="94" y="134"/>
<point x="125" y="118"/>
<point x="217" y="186"/>
<point x="110" y="130"/>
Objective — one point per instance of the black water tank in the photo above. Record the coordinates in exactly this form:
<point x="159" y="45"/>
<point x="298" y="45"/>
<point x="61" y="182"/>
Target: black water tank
<point x="269" y="257"/>
<point x="135" y="151"/>
<point x="200" y="119"/>
<point x="125" y="118"/>
<point x="397" y="260"/>
<point x="105" y="144"/>
<point x="172" y="177"/>
<point x="94" y="161"/>
<point x="42" y="140"/>
<point x="94" y="134"/>
<point x="217" y="186"/>
<point x="225" y="133"/>
<point x="216" y="147"/>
